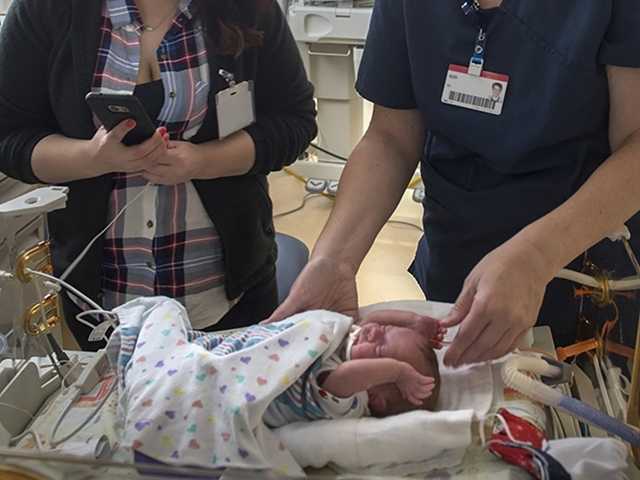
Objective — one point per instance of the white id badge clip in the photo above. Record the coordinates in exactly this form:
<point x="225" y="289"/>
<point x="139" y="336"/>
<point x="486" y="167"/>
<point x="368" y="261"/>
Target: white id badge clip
<point x="235" y="108"/>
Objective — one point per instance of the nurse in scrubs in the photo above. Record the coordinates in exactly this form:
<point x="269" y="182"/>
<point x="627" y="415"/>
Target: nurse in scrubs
<point x="516" y="189"/>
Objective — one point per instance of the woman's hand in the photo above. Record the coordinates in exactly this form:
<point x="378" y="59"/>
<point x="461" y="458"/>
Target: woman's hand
<point x="323" y="284"/>
<point x="180" y="163"/>
<point x="500" y="301"/>
<point x="107" y="153"/>
<point x="413" y="386"/>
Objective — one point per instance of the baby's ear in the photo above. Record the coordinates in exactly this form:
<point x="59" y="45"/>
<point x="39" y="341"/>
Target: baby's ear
<point x="377" y="403"/>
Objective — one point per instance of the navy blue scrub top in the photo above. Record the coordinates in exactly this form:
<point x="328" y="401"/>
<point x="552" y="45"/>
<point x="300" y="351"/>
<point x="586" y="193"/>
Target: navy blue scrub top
<point x="489" y="176"/>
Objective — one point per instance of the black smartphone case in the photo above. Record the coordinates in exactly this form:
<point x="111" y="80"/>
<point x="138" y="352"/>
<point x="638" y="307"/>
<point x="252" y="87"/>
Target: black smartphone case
<point x="112" y="109"/>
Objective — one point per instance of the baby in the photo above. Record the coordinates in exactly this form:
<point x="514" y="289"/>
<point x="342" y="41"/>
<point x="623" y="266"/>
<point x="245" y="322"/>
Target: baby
<point x="386" y="366"/>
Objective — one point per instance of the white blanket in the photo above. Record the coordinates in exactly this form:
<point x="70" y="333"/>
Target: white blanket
<point x="192" y="405"/>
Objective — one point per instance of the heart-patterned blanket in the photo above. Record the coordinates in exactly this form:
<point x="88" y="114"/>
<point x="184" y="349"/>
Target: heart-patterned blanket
<point x="194" y="399"/>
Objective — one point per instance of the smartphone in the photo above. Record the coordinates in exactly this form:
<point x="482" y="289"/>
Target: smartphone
<point x="112" y="109"/>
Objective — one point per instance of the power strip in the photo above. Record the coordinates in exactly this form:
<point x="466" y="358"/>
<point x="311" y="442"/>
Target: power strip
<point x="315" y="185"/>
<point x="418" y="194"/>
<point x="332" y="188"/>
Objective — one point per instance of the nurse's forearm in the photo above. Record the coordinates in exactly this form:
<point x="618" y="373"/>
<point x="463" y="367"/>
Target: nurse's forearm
<point x="372" y="185"/>
<point x="604" y="203"/>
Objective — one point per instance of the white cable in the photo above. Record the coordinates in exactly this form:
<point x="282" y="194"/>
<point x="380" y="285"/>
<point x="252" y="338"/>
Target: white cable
<point x="52" y="438"/>
<point x="75" y="263"/>
<point x="604" y="392"/>
<point x="18" y="409"/>
<point x="615" y="379"/>
<point x="623" y="285"/>
<point x="32" y="433"/>
<point x="505" y="426"/>
<point x="65" y="285"/>
<point x="80" y="317"/>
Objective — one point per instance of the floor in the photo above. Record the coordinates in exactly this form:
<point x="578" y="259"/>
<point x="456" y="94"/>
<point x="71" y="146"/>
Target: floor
<point x="383" y="275"/>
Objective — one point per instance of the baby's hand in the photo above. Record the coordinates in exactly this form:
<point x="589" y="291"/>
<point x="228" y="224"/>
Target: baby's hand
<point x="413" y="386"/>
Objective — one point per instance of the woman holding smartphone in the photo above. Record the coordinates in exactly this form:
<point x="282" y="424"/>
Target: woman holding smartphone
<point x="200" y="229"/>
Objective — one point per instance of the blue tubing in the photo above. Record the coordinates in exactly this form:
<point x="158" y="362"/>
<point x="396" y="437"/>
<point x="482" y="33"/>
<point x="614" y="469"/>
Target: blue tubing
<point x="601" y="420"/>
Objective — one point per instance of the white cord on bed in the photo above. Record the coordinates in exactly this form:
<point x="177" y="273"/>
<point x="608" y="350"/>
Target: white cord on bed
<point x="52" y="438"/>
<point x="505" y="426"/>
<point x="33" y="434"/>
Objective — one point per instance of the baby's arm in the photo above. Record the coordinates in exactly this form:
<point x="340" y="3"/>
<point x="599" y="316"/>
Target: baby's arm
<point x="356" y="376"/>
<point x="427" y="326"/>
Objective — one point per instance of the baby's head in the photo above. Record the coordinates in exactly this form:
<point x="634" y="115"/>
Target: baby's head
<point x="405" y="345"/>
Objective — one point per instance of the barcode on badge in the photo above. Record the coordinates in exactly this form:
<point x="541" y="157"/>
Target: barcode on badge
<point x="483" y="102"/>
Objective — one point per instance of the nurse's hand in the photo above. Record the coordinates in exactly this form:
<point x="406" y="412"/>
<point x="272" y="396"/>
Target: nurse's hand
<point x="324" y="284"/>
<point x="500" y="301"/>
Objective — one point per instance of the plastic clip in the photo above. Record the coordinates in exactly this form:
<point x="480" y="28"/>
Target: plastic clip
<point x="566" y="373"/>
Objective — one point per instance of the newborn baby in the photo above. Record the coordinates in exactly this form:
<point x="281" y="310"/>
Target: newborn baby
<point x="386" y="366"/>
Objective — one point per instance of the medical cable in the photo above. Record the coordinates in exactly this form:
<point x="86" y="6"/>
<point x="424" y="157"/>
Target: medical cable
<point x="62" y="357"/>
<point x="62" y="283"/>
<point x="303" y="180"/>
<point x="18" y="409"/>
<point x="408" y="224"/>
<point x="329" y="152"/>
<point x="114" y="320"/>
<point x="623" y="285"/>
<point x="614" y="382"/>
<point x="35" y="437"/>
<point x="505" y="426"/>
<point x="83" y="254"/>
<point x="298" y="208"/>
<point x="604" y="391"/>
<point x="538" y="391"/>
<point x="97" y="309"/>
<point x="52" y="438"/>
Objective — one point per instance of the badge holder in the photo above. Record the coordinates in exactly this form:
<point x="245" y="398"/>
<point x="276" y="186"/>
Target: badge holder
<point x="472" y="87"/>
<point x="235" y="106"/>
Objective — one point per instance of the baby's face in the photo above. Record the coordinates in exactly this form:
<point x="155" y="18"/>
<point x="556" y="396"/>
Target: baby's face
<point x="386" y="341"/>
<point x="403" y="344"/>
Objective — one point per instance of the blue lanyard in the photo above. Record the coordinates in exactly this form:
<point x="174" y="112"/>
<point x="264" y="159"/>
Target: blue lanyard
<point x="471" y="8"/>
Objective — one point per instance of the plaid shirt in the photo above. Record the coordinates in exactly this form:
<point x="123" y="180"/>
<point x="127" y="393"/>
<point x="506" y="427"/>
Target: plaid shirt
<point x="165" y="243"/>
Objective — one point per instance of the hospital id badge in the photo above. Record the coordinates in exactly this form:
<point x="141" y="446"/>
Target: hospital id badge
<point x="236" y="109"/>
<point x="484" y="92"/>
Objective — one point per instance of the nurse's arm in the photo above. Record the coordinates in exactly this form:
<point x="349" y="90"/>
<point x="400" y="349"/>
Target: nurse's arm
<point x="611" y="196"/>
<point x="372" y="185"/>
<point x="491" y="321"/>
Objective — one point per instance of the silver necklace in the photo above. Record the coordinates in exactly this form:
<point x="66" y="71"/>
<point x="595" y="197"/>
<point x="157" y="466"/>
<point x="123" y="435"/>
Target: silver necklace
<point x="149" y="28"/>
